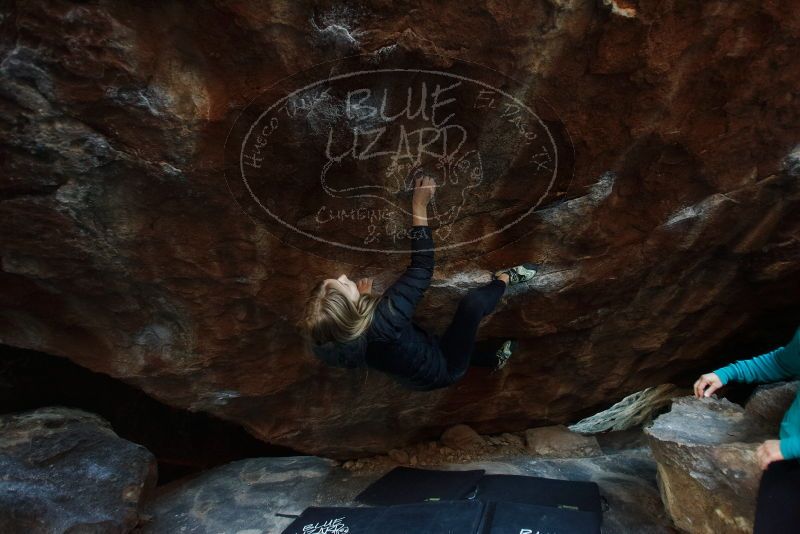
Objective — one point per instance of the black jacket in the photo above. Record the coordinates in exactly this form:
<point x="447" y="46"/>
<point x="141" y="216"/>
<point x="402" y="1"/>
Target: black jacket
<point x="393" y="343"/>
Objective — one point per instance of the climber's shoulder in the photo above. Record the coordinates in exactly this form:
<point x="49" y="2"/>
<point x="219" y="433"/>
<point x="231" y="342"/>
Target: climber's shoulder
<point x="390" y="319"/>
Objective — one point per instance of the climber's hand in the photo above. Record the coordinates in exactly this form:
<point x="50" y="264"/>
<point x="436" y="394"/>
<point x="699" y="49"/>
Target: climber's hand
<point x="768" y="452"/>
<point x="424" y="187"/>
<point x="706" y="385"/>
<point x="364" y="285"/>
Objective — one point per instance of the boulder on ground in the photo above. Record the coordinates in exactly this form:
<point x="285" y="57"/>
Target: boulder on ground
<point x="242" y="496"/>
<point x="65" y="470"/>
<point x="632" y="411"/>
<point x="462" y="438"/>
<point x="560" y="442"/>
<point x="707" y="468"/>
<point x="399" y="455"/>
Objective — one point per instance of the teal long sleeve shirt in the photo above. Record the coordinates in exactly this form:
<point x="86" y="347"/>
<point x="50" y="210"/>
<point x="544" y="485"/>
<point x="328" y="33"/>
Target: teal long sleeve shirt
<point x="782" y="363"/>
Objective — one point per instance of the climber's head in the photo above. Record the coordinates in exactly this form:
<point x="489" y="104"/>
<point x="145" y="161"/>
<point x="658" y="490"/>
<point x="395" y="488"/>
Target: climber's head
<point x="346" y="286"/>
<point x="337" y="311"/>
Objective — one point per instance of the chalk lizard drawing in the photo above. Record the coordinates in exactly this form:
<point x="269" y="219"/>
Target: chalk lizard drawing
<point x="331" y="526"/>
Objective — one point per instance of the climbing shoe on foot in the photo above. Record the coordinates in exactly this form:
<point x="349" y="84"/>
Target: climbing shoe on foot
<point x="519" y="274"/>
<point x="504" y="353"/>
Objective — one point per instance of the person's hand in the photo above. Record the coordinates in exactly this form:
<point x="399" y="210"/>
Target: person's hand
<point x="424" y="188"/>
<point x="364" y="285"/>
<point x="768" y="452"/>
<point x="706" y="385"/>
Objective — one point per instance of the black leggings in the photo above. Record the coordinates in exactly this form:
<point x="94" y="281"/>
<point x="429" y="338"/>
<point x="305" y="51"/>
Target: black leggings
<point x="458" y="341"/>
<point x="777" y="511"/>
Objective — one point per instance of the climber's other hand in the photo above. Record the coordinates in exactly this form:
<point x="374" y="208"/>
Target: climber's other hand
<point x="364" y="285"/>
<point x="768" y="452"/>
<point x="424" y="187"/>
<point x="706" y="385"/>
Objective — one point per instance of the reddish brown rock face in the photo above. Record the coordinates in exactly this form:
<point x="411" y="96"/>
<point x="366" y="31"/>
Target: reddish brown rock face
<point x="127" y="247"/>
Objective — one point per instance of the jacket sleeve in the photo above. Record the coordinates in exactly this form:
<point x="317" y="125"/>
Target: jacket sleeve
<point x="397" y="305"/>
<point x="790" y="448"/>
<point x="790" y="431"/>
<point x="776" y="365"/>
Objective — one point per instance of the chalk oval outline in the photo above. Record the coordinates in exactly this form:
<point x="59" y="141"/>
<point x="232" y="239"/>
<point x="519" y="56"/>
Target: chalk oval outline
<point x="390" y="70"/>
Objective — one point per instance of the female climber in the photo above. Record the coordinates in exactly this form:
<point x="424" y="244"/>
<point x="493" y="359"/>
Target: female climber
<point x="347" y="325"/>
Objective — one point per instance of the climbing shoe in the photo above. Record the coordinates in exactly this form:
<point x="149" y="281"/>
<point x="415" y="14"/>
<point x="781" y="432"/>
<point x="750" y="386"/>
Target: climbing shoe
<point x="504" y="353"/>
<point x="519" y="274"/>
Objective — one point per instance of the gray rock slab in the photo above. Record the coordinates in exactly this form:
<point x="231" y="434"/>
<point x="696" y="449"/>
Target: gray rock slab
<point x="65" y="470"/>
<point x="241" y="497"/>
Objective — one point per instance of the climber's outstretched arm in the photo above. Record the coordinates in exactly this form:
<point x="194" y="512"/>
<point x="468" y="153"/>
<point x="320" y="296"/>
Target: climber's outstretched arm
<point x="776" y="365"/>
<point x="399" y="301"/>
<point x="779" y="364"/>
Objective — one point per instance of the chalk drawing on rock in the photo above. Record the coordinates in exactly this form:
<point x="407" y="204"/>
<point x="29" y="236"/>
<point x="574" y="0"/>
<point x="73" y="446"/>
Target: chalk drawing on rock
<point x="327" y="158"/>
<point x="331" y="526"/>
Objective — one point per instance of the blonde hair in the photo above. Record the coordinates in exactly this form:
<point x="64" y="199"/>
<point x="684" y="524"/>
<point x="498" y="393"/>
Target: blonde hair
<point x="330" y="315"/>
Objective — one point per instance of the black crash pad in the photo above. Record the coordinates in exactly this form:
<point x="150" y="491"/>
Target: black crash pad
<point x="426" y="501"/>
<point x="406" y="485"/>
<point x="519" y="518"/>
<point x="564" y="494"/>
<point x="446" y="517"/>
<point x="422" y="518"/>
